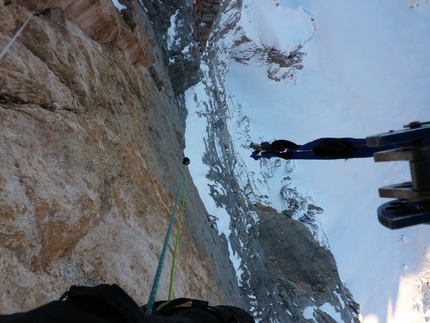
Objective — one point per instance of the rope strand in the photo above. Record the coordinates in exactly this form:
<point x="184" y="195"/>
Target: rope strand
<point x="154" y="290"/>
<point x="172" y="271"/>
<point x="4" y="51"/>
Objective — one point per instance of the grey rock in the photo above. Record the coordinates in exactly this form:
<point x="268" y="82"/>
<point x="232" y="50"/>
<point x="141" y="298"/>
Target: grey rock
<point x="299" y="273"/>
<point x="175" y="33"/>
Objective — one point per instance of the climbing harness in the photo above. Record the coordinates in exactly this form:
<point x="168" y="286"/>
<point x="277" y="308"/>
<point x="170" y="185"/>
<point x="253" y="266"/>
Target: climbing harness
<point x="151" y="301"/>
<point x="4" y="51"/>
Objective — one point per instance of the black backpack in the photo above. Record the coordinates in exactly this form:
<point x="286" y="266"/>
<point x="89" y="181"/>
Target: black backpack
<point x="111" y="304"/>
<point x="99" y="304"/>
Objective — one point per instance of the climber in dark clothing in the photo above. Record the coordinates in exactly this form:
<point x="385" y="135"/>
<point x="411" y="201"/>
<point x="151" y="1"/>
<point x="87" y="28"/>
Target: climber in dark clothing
<point x="323" y="148"/>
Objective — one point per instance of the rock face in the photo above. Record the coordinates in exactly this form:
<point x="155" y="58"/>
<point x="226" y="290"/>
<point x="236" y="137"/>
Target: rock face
<point x="174" y="26"/>
<point x="205" y="13"/>
<point x="91" y="141"/>
<point x="302" y="275"/>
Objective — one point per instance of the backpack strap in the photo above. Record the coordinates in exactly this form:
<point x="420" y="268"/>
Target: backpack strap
<point x="170" y="307"/>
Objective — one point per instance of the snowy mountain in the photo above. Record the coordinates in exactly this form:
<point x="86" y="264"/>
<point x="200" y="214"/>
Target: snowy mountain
<point x="300" y="70"/>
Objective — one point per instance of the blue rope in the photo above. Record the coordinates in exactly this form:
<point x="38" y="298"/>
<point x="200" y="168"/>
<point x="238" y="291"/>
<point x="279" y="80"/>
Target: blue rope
<point x="153" y="294"/>
<point x="4" y="51"/>
<point x="175" y="253"/>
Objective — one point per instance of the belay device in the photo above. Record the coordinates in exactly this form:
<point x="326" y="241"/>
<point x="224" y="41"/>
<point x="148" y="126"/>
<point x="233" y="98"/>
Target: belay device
<point x="412" y="204"/>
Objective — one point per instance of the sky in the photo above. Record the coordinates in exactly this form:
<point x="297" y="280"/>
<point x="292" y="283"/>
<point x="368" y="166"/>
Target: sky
<point x="366" y="71"/>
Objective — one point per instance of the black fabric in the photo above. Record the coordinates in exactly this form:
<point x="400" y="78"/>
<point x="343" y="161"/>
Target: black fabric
<point x="200" y="312"/>
<point x="338" y="148"/>
<point x="281" y="145"/>
<point x="100" y="304"/>
<point x="111" y="304"/>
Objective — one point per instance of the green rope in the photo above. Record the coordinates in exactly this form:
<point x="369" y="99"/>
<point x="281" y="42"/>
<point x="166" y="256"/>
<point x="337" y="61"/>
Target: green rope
<point x="154" y="290"/>
<point x="172" y="271"/>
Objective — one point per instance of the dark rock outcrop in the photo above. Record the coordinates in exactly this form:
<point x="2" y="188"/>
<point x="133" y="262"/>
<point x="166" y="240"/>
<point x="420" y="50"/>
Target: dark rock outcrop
<point x="205" y="14"/>
<point x="300" y="274"/>
<point x="175" y="33"/>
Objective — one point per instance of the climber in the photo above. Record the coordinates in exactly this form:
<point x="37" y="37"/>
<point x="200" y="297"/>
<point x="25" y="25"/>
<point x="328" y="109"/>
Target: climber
<point x="111" y="304"/>
<point x="323" y="148"/>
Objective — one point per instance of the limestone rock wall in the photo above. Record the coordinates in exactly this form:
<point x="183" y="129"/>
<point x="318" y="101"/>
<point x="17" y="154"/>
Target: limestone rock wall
<point x="91" y="141"/>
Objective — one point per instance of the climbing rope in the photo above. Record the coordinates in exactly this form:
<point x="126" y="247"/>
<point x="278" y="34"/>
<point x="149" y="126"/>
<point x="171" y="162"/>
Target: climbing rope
<point x="4" y="51"/>
<point x="154" y="290"/>
<point x="172" y="271"/>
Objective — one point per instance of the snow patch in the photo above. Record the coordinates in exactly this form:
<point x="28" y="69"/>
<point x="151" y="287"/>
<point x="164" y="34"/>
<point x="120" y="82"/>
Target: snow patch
<point x="118" y="5"/>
